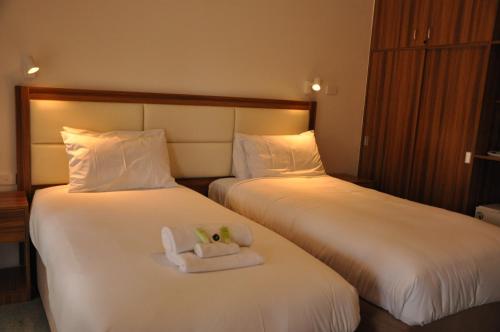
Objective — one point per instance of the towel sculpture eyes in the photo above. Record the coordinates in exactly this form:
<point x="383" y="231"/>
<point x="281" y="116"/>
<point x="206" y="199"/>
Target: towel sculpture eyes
<point x="211" y="247"/>
<point x="219" y="244"/>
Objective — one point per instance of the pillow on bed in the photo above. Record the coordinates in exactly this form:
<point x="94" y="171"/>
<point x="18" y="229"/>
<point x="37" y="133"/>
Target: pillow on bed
<point x="282" y="155"/>
<point x="117" y="160"/>
<point x="84" y="131"/>
<point x="240" y="169"/>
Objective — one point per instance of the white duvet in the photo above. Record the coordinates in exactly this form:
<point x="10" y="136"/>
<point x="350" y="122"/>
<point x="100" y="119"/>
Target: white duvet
<point x="106" y="270"/>
<point x="418" y="262"/>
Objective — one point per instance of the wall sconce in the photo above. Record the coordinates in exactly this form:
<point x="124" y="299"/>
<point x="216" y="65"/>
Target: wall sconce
<point x="314" y="86"/>
<point x="30" y="67"/>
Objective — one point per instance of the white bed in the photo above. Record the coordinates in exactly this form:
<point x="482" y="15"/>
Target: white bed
<point x="101" y="261"/>
<point x="402" y="256"/>
<point x="106" y="270"/>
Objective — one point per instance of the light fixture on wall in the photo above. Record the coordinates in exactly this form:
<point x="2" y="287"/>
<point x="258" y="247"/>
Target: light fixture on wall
<point x="314" y="86"/>
<point x="30" y="66"/>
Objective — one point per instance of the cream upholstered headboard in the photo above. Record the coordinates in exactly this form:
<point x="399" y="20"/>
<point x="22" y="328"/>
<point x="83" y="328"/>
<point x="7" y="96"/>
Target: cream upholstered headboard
<point x="199" y="129"/>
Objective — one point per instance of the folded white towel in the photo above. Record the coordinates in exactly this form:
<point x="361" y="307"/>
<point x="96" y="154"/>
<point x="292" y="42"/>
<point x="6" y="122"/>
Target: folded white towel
<point x="190" y="263"/>
<point x="207" y="250"/>
<point x="179" y="239"/>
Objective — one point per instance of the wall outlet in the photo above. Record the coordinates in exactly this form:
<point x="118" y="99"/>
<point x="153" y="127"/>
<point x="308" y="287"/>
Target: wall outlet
<point x="7" y="179"/>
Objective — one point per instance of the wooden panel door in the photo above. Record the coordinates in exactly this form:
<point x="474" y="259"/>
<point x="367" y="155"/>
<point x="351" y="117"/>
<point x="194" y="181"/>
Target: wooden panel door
<point x="449" y="108"/>
<point x="461" y="21"/>
<point x="377" y="101"/>
<point x="390" y="118"/>
<point x="401" y="121"/>
<point x="414" y="23"/>
<point x="387" y="23"/>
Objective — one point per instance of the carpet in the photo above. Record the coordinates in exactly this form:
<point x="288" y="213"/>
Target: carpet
<point x="23" y="317"/>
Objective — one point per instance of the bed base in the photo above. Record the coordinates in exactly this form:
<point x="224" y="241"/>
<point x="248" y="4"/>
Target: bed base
<point x="485" y="318"/>
<point x="43" y="289"/>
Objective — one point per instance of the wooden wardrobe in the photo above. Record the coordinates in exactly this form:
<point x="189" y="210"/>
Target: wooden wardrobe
<point x="429" y="115"/>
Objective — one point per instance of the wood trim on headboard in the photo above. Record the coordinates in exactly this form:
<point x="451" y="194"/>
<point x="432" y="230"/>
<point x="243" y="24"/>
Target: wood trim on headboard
<point x="23" y="139"/>
<point x="24" y="94"/>
<point x="160" y="98"/>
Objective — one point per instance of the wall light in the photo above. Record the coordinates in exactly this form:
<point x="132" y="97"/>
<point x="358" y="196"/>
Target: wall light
<point x="30" y="66"/>
<point x="314" y="86"/>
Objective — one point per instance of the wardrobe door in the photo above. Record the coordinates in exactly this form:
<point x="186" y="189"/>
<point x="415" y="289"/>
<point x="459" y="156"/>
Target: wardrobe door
<point x="387" y="23"/>
<point x="449" y="108"/>
<point x="461" y="21"/>
<point x="401" y="121"/>
<point x="414" y="23"/>
<point x="377" y="101"/>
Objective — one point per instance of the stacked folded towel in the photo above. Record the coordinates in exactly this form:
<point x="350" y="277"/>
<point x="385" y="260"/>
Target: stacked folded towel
<point x="211" y="247"/>
<point x="207" y="250"/>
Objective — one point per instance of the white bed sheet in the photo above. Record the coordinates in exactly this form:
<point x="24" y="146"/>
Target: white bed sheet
<point x="418" y="262"/>
<point x="106" y="270"/>
<point x="218" y="189"/>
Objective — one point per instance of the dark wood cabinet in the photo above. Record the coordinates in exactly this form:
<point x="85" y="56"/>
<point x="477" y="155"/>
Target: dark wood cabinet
<point x="401" y="121"/>
<point x="378" y="96"/>
<point x="424" y="98"/>
<point x="450" y="105"/>
<point x="390" y="118"/>
<point x="387" y="23"/>
<point x="15" y="282"/>
<point x="199" y="185"/>
<point x="367" y="183"/>
<point x="400" y="23"/>
<point x="485" y="182"/>
<point x="414" y="23"/>
<point x="461" y="21"/>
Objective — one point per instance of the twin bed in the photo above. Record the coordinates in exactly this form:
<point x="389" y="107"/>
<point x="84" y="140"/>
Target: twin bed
<point x="101" y="265"/>
<point x="420" y="263"/>
<point x="106" y="271"/>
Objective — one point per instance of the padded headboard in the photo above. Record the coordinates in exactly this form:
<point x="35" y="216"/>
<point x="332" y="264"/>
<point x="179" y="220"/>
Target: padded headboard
<point x="199" y="129"/>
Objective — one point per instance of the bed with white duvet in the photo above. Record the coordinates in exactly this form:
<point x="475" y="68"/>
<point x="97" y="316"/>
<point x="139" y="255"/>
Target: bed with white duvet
<point x="106" y="270"/>
<point x="418" y="262"/>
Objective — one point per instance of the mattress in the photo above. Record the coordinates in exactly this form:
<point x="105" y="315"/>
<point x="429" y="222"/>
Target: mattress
<point x="418" y="262"/>
<point x="218" y="189"/>
<point x="106" y="270"/>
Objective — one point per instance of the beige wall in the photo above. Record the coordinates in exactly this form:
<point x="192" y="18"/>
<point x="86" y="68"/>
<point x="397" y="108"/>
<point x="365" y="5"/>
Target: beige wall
<point x="253" y="48"/>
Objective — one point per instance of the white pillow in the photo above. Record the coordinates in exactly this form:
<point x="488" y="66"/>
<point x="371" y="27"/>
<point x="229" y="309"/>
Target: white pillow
<point x="119" y="160"/>
<point x="282" y="155"/>
<point x="83" y="131"/>
<point x="240" y="169"/>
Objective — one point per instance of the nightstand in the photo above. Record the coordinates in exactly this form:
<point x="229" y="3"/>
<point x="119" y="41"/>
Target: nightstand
<point x="367" y="183"/>
<point x="15" y="282"/>
<point x="197" y="184"/>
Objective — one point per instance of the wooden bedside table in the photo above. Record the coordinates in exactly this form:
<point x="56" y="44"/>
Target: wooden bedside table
<point x="15" y="282"/>
<point x="367" y="183"/>
<point x="197" y="184"/>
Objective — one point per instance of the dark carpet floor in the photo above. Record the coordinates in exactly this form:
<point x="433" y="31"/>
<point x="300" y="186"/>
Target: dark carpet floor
<point x="23" y="317"/>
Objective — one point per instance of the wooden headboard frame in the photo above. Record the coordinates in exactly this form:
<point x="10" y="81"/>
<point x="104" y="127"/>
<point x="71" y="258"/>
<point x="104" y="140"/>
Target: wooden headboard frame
<point x="25" y="94"/>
